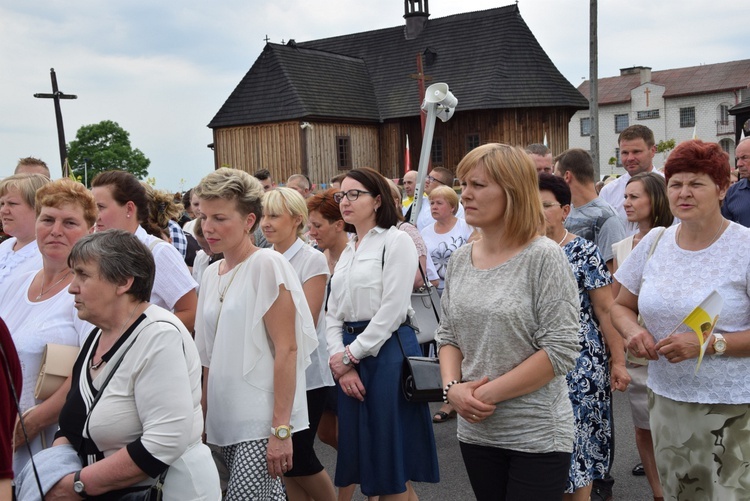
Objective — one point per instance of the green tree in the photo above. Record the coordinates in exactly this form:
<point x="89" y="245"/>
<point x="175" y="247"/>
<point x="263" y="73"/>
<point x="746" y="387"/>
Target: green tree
<point x="105" y="146"/>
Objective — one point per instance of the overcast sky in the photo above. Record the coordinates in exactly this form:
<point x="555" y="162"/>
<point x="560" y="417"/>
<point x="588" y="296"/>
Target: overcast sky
<point x="162" y="69"/>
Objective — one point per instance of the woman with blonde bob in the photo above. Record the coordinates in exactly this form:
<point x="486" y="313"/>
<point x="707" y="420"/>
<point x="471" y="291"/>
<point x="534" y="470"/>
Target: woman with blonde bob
<point x="283" y="224"/>
<point x="255" y="336"/>
<point x="19" y="254"/>
<point x="509" y="334"/>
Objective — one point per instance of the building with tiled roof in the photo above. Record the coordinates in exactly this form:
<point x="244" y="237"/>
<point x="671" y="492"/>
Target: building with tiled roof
<point x="676" y="104"/>
<point x="323" y="106"/>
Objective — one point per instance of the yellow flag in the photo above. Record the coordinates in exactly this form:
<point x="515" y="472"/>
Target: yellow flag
<point x="702" y="321"/>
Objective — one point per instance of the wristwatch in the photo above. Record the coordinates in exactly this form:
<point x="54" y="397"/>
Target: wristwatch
<point x="78" y="486"/>
<point x="282" y="432"/>
<point x="720" y="344"/>
<point x="346" y="360"/>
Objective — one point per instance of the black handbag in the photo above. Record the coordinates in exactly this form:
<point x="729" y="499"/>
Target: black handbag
<point x="420" y="378"/>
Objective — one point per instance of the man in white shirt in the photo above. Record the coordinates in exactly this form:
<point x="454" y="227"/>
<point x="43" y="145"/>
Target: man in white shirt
<point x="637" y="150"/>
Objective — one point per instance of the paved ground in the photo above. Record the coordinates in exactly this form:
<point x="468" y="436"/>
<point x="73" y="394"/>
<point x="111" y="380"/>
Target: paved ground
<point x="454" y="484"/>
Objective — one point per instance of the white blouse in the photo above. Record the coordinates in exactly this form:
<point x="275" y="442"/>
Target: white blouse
<point x="673" y="282"/>
<point x="233" y="343"/>
<point x="372" y="282"/>
<point x="16" y="263"/>
<point x="172" y="280"/>
<point x="309" y="263"/>
<point x="32" y="325"/>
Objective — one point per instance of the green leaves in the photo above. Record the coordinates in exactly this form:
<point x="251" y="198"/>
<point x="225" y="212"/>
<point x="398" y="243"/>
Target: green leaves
<point x="105" y="146"/>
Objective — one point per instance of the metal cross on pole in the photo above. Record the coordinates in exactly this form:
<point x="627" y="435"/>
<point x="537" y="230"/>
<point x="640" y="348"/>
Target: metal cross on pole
<point x="56" y="96"/>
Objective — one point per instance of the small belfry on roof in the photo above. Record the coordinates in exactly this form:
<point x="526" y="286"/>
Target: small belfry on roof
<point x="416" y="13"/>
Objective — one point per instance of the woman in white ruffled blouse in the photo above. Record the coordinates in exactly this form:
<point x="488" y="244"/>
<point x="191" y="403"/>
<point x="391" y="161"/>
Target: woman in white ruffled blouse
<point x="19" y="254"/>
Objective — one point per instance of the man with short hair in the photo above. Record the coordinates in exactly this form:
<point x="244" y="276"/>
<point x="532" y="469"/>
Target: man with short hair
<point x="410" y="183"/>
<point x="637" y="150"/>
<point x="542" y="157"/>
<point x="264" y="176"/>
<point x="31" y="165"/>
<point x="590" y="217"/>
<point x="300" y="184"/>
<point x="736" y="206"/>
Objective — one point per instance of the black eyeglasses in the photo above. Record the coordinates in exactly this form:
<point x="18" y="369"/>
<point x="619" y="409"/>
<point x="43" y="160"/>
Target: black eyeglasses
<point x="434" y="179"/>
<point x="350" y="195"/>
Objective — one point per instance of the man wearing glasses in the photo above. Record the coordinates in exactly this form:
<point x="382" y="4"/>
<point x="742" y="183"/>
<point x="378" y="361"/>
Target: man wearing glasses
<point x="736" y="205"/>
<point x="439" y="176"/>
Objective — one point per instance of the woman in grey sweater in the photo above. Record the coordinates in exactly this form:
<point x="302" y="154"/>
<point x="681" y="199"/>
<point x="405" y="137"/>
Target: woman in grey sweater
<point x="508" y="334"/>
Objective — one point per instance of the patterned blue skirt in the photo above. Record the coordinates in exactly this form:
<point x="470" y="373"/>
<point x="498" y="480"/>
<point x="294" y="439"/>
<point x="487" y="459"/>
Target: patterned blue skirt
<point x="384" y="441"/>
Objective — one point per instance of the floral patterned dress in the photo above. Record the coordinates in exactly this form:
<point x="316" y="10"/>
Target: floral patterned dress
<point x="588" y="382"/>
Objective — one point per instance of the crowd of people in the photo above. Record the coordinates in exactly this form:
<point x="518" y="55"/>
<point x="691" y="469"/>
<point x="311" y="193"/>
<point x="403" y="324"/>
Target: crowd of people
<point x="219" y="333"/>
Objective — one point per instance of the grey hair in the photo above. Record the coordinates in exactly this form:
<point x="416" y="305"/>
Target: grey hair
<point x="232" y="184"/>
<point x="119" y="256"/>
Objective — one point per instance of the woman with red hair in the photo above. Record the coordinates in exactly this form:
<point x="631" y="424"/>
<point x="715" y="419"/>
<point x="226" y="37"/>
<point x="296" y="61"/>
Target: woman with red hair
<point x="697" y="452"/>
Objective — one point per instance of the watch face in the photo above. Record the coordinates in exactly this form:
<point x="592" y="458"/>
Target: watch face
<point x="346" y="360"/>
<point x="720" y="346"/>
<point x="78" y="487"/>
<point x="282" y="432"/>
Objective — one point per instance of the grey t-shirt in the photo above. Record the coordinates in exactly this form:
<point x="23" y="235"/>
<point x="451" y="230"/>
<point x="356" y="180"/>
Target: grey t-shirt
<point x="498" y="318"/>
<point x="597" y="222"/>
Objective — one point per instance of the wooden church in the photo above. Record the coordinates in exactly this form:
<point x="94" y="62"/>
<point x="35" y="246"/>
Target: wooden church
<point x="325" y="106"/>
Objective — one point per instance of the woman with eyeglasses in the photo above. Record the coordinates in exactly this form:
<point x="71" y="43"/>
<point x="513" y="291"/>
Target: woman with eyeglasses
<point x="387" y="442"/>
<point x="596" y="372"/>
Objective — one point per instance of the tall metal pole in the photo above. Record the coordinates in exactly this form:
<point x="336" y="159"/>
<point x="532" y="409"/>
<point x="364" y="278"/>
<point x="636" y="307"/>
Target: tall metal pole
<point x="594" y="86"/>
<point x="424" y="161"/>
<point x="56" y="96"/>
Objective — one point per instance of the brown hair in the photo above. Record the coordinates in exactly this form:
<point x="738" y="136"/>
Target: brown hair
<point x="65" y="191"/>
<point x="125" y="188"/>
<point x="326" y="205"/>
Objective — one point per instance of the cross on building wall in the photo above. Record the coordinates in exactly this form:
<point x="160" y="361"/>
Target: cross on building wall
<point x="647" y="92"/>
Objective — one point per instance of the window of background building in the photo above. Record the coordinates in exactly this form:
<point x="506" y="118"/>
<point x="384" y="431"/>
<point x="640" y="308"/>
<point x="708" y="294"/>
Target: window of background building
<point x="687" y="117"/>
<point x="618" y="163"/>
<point x="586" y="126"/>
<point x="621" y="122"/>
<point x="724" y="114"/>
<point x="472" y="141"/>
<point x="437" y="151"/>
<point x="344" y="152"/>
<point x="648" y="114"/>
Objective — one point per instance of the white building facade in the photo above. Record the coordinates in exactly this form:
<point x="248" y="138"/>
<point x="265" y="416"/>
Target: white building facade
<point x="676" y="104"/>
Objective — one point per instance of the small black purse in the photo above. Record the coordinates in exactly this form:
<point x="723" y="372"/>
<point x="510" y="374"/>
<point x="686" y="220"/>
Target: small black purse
<point x="420" y="378"/>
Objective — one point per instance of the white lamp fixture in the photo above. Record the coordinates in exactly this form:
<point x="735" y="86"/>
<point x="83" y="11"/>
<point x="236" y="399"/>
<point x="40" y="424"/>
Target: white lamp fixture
<point x="440" y="103"/>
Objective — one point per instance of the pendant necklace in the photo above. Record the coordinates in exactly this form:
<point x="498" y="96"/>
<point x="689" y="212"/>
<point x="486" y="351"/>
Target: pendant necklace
<point x="95" y="366"/>
<point x="223" y="292"/>
<point x="43" y="292"/>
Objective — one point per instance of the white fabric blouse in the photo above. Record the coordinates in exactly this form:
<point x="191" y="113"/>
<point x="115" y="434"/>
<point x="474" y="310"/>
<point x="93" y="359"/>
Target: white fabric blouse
<point x="309" y="263"/>
<point x="233" y="343"/>
<point x="172" y="280"/>
<point x="16" y="263"/>
<point x="440" y="246"/>
<point x="154" y="398"/>
<point x="674" y="282"/>
<point x="368" y="284"/>
<point x="32" y="325"/>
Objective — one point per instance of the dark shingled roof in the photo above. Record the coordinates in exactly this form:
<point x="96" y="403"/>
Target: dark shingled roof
<point x="705" y="79"/>
<point x="490" y="59"/>
<point x="744" y="105"/>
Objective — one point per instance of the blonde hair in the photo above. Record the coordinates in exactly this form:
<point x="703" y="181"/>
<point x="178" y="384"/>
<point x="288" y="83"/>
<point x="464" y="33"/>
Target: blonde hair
<point x="236" y="185"/>
<point x="512" y="169"/>
<point x="286" y="200"/>
<point x="447" y="194"/>
<point x="25" y="184"/>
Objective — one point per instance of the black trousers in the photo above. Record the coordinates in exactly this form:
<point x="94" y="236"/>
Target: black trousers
<point x="504" y="475"/>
